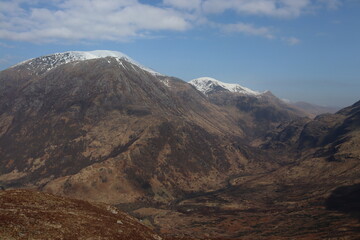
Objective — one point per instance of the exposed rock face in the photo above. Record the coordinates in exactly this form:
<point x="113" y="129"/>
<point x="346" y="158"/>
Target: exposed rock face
<point x="35" y="215"/>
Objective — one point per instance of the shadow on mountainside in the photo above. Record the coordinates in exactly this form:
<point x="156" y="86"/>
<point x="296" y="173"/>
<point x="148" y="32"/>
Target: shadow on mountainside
<point x="345" y="199"/>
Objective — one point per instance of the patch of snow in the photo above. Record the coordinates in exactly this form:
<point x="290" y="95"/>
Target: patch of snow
<point x="165" y="82"/>
<point x="285" y="100"/>
<point x="207" y="84"/>
<point x="120" y="63"/>
<point x="51" y="61"/>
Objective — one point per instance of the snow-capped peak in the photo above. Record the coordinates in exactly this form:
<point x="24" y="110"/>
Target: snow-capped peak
<point x="207" y="85"/>
<point x="51" y="61"/>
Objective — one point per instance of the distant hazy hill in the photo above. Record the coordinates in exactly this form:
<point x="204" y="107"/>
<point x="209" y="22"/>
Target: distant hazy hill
<point x="315" y="109"/>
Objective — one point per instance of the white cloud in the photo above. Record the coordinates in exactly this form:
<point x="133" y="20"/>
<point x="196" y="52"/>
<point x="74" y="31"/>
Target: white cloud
<point x="274" y="8"/>
<point x="331" y="4"/>
<point x="121" y="20"/>
<point x="249" y="29"/>
<point x="87" y="19"/>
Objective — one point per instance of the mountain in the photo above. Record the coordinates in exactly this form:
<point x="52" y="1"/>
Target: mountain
<point x="337" y="135"/>
<point x="256" y="113"/>
<point x="208" y="85"/>
<point x="326" y="134"/>
<point x="46" y="63"/>
<point x="227" y="162"/>
<point x="314" y="194"/>
<point x="98" y="127"/>
<point x="34" y="215"/>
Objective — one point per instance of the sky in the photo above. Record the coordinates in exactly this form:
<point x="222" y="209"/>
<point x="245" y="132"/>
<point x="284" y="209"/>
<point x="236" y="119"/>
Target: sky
<point x="301" y="50"/>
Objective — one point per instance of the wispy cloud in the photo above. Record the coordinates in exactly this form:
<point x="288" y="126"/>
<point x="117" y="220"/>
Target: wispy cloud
<point x="248" y="29"/>
<point x="272" y="8"/>
<point x="4" y="45"/>
<point x="121" y="20"/>
<point x="291" y="40"/>
<point x="181" y="4"/>
<point x="331" y="4"/>
<point x="275" y="8"/>
<point x="6" y="60"/>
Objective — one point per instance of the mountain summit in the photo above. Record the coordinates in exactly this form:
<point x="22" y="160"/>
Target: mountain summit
<point x="255" y="112"/>
<point x="48" y="62"/>
<point x="208" y="85"/>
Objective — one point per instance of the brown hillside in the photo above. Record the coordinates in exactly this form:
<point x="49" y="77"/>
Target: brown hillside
<point x="28" y="214"/>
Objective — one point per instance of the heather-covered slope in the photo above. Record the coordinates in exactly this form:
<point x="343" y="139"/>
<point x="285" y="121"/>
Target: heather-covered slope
<point x="35" y="215"/>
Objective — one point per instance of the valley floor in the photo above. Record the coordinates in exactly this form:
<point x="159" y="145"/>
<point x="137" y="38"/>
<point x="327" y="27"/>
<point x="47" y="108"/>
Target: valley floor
<point x="263" y="210"/>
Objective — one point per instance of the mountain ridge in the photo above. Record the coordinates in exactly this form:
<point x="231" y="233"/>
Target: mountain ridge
<point x="56" y="59"/>
<point x="255" y="112"/>
<point x="207" y="85"/>
<point x="224" y="163"/>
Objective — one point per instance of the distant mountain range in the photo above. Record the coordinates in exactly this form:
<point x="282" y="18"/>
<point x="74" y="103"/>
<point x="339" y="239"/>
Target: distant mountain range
<point x="201" y="159"/>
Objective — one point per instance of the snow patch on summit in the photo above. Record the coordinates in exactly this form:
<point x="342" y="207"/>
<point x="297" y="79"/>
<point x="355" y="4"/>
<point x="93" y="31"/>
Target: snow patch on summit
<point x="207" y="85"/>
<point x="46" y="63"/>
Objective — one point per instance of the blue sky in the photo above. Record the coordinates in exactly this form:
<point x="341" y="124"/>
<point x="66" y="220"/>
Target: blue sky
<point x="301" y="50"/>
